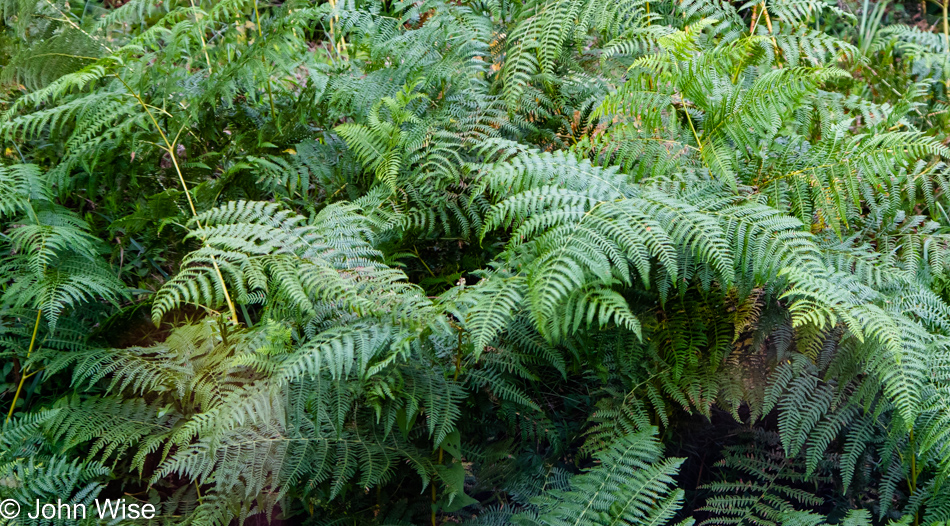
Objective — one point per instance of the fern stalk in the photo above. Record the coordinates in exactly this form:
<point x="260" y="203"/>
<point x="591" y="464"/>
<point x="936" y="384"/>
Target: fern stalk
<point x="946" y="26"/>
<point x="944" y="8"/>
<point x="768" y="24"/>
<point x="693" y="128"/>
<point x="23" y="375"/>
<point x="170" y="148"/>
<point x="342" y="46"/>
<point x="204" y="45"/>
<point x="270" y="91"/>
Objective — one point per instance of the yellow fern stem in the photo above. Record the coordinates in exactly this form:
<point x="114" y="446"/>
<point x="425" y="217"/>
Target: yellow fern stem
<point x="170" y="148"/>
<point x="23" y="375"/>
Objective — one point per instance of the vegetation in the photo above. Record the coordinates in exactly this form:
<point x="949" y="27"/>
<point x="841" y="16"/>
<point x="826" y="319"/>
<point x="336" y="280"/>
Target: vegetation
<point x="548" y="262"/>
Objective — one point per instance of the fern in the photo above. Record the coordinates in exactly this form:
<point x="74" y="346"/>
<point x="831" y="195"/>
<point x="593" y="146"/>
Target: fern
<point x="629" y="487"/>
<point x="769" y="494"/>
<point x="484" y="262"/>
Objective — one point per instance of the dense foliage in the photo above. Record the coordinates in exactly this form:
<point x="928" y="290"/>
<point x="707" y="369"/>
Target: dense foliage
<point x="540" y="262"/>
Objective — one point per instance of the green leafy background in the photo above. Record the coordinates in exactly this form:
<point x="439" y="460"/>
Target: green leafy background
<point x="481" y="262"/>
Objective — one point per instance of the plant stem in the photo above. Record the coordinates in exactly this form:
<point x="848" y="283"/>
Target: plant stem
<point x="946" y="27"/>
<point x="204" y="45"/>
<point x="23" y="375"/>
<point x="170" y="148"/>
<point x="699" y="143"/>
<point x="198" y="492"/>
<point x="768" y="24"/>
<point x="270" y="92"/>
<point x="341" y="47"/>
<point x="458" y="357"/>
